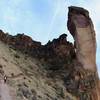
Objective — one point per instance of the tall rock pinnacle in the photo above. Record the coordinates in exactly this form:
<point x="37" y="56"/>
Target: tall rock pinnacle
<point x="81" y="27"/>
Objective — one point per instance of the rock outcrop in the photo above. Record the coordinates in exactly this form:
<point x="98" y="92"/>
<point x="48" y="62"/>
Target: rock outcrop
<point x="82" y="30"/>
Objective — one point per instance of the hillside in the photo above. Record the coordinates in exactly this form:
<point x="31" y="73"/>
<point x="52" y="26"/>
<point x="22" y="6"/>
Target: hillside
<point x="32" y="77"/>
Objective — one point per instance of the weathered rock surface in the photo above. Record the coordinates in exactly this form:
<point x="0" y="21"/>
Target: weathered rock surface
<point x="82" y="30"/>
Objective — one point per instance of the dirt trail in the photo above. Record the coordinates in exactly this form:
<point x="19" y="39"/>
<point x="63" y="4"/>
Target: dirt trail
<point x="4" y="91"/>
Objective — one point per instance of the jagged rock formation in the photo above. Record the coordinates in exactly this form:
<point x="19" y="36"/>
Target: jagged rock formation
<point x="55" y="71"/>
<point x="58" y="47"/>
<point x="82" y="30"/>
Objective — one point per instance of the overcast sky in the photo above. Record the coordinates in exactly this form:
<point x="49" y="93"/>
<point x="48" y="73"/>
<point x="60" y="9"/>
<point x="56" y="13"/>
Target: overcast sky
<point x="44" y="20"/>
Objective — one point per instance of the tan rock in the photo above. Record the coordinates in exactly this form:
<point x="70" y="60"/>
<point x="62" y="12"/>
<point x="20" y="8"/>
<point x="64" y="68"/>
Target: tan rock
<point x="82" y="30"/>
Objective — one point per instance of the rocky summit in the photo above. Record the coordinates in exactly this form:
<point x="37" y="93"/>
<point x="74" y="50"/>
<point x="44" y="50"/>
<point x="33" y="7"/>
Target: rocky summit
<point x="58" y="70"/>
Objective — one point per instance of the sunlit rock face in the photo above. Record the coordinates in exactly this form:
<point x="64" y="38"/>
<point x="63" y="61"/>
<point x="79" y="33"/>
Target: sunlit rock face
<point x="81" y="27"/>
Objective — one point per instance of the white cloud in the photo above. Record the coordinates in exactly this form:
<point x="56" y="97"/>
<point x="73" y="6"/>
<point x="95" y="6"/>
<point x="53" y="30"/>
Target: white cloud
<point x="56" y="12"/>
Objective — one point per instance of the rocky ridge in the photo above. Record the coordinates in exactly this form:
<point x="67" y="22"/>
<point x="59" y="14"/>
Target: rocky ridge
<point x="58" y="48"/>
<point x="54" y="62"/>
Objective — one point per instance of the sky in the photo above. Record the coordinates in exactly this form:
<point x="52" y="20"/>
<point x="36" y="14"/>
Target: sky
<point x="44" y="20"/>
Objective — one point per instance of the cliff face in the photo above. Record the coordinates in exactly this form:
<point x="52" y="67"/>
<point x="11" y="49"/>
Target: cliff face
<point x="58" y="70"/>
<point x="81" y="27"/>
<point x="82" y="30"/>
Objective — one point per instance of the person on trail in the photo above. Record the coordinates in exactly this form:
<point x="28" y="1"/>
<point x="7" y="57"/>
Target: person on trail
<point x="5" y="79"/>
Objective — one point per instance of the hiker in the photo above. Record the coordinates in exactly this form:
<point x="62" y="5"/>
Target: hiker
<point x="5" y="79"/>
